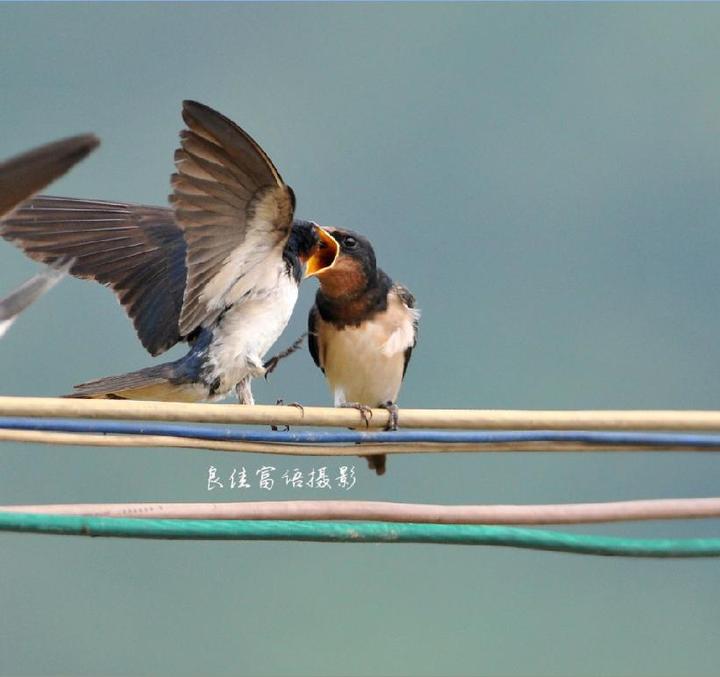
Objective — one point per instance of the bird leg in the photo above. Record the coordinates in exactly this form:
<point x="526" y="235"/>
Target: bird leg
<point x="365" y="411"/>
<point x="393" y="409"/>
<point x="273" y="361"/>
<point x="244" y="391"/>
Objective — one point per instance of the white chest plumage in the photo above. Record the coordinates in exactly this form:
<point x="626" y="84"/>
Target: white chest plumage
<point x="249" y="328"/>
<point x="365" y="364"/>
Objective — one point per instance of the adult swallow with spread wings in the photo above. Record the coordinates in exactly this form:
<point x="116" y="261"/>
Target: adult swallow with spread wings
<point x="362" y="330"/>
<point x="219" y="270"/>
<point x="21" y="177"/>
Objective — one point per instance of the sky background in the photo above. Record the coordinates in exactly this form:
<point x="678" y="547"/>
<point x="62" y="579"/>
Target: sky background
<point x="543" y="177"/>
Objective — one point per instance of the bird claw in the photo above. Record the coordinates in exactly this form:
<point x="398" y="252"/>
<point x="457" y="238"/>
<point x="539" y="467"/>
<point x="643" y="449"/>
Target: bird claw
<point x="378" y="463"/>
<point x="281" y="403"/>
<point x="270" y="366"/>
<point x="365" y="411"/>
<point x="393" y="410"/>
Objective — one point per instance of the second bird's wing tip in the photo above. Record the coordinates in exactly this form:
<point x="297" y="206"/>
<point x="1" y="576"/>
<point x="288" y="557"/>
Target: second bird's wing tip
<point x="68" y="150"/>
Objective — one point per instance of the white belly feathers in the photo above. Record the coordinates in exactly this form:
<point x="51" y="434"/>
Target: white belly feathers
<point x="249" y="329"/>
<point x="365" y="364"/>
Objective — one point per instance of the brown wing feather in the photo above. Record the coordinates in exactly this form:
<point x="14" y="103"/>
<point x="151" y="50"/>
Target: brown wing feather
<point x="232" y="205"/>
<point x="408" y="299"/>
<point x="137" y="251"/>
<point x="24" y="175"/>
<point x="313" y="338"/>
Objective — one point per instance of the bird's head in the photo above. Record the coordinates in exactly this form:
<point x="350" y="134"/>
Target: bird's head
<point x="344" y="263"/>
<point x="311" y="246"/>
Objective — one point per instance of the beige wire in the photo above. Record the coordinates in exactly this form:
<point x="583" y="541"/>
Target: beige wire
<point x="466" y="419"/>
<point x="657" y="509"/>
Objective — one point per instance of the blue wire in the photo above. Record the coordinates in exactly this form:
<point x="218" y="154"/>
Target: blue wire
<point x="238" y="434"/>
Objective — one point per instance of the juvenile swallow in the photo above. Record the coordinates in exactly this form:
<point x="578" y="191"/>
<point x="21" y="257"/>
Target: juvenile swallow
<point x="219" y="270"/>
<point x="362" y="330"/>
<point x="21" y="177"/>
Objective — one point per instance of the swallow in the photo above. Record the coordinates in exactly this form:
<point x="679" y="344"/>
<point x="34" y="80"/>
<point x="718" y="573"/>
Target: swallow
<point x="21" y="177"/>
<point x="361" y="330"/>
<point x="219" y="269"/>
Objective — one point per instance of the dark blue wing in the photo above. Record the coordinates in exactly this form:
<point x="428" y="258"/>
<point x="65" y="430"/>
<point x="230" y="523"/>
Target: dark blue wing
<point x="137" y="251"/>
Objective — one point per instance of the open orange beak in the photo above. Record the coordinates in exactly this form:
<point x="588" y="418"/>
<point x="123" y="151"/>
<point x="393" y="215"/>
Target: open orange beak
<point x="324" y="255"/>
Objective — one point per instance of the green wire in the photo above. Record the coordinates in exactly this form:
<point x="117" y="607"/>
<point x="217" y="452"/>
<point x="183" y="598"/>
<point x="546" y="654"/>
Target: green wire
<point x="358" y="532"/>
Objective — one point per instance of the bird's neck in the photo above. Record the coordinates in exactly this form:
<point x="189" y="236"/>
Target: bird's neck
<point x="343" y="304"/>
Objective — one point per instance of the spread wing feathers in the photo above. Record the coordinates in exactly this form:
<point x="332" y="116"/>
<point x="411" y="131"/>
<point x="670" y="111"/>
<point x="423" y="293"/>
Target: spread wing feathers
<point x="408" y="300"/>
<point x="24" y="175"/>
<point x="139" y="252"/>
<point x="234" y="209"/>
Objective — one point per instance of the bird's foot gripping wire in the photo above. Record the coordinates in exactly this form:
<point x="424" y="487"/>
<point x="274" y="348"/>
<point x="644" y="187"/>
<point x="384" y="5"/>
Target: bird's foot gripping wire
<point x="393" y="410"/>
<point x="376" y="462"/>
<point x="379" y="461"/>
<point x="365" y="411"/>
<point x="281" y="403"/>
<point x="270" y="364"/>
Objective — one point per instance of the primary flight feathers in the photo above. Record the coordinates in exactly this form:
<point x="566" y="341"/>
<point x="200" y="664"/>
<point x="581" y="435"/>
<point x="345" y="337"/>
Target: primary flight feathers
<point x="137" y="251"/>
<point x="21" y="177"/>
<point x="229" y="200"/>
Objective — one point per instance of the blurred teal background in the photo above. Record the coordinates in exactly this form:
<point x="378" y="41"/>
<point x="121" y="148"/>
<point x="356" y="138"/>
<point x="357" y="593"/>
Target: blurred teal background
<point x="543" y="177"/>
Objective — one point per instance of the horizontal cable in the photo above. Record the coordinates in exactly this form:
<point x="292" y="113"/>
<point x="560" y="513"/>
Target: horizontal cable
<point x="382" y="511"/>
<point x="170" y="441"/>
<point x="487" y="419"/>
<point x="315" y="440"/>
<point x="359" y="532"/>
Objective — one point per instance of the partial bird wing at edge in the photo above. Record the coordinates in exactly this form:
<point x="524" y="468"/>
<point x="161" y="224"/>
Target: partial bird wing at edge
<point x="31" y="290"/>
<point x="24" y="175"/>
<point x="21" y="177"/>
<point x="138" y="251"/>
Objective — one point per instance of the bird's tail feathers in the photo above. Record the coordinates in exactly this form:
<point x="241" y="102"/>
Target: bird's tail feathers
<point x="153" y="383"/>
<point x="377" y="463"/>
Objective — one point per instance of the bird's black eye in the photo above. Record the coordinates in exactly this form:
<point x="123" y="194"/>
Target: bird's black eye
<point x="350" y="242"/>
